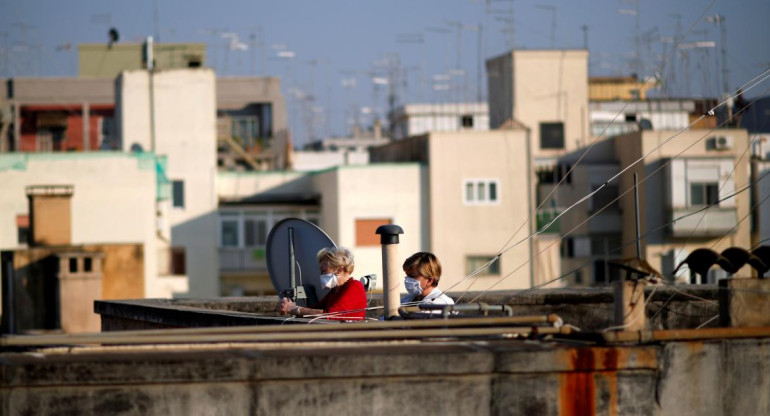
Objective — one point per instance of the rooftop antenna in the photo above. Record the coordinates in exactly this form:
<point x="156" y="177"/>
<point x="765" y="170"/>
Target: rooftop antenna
<point x="444" y="31"/>
<point x="505" y="16"/>
<point x="672" y="78"/>
<point x="637" y="64"/>
<point x="156" y="20"/>
<point x="720" y="21"/>
<point x="257" y="39"/>
<point x="113" y="37"/>
<point x="552" y="9"/>
<point x="27" y="66"/>
<point x="584" y="28"/>
<point x="415" y="38"/>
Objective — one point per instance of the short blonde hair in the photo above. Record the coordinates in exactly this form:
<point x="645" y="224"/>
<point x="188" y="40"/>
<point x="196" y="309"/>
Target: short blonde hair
<point x="426" y="264"/>
<point x="337" y="257"/>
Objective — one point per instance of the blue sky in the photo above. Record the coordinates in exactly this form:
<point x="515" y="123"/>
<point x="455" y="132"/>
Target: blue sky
<point x="339" y="46"/>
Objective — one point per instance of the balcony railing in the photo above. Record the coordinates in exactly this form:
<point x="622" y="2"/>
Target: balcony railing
<point x="171" y="261"/>
<point x="235" y="259"/>
<point x="713" y="222"/>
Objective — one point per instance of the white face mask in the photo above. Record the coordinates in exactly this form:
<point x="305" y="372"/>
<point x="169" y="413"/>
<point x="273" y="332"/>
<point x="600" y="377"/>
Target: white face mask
<point x="329" y="280"/>
<point x="412" y="286"/>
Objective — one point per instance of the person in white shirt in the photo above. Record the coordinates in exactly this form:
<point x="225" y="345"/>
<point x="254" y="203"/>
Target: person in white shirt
<point x="423" y="272"/>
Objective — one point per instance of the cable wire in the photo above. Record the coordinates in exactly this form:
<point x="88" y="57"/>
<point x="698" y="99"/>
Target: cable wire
<point x="609" y="204"/>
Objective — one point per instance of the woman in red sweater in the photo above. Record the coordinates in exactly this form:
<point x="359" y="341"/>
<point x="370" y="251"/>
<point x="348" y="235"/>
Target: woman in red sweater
<point x="346" y="294"/>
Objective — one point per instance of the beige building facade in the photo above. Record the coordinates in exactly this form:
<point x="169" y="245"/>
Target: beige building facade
<point x="347" y="202"/>
<point x="693" y="170"/>
<point x="545" y="91"/>
<point x="173" y="113"/>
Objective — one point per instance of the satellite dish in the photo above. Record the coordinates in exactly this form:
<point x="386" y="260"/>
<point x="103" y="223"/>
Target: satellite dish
<point x="113" y="35"/>
<point x="136" y="148"/>
<point x="291" y="250"/>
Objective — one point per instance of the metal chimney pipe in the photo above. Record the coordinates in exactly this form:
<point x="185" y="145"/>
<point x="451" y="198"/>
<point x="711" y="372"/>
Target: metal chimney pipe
<point x="391" y="282"/>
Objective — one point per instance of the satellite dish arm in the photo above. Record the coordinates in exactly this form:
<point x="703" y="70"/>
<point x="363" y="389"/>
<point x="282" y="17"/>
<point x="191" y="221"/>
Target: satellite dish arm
<point x="292" y="261"/>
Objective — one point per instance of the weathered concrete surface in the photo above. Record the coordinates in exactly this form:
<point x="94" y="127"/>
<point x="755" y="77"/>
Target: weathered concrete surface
<point x="726" y="377"/>
<point x="716" y="378"/>
<point x="589" y="309"/>
<point x="461" y="377"/>
<point x="743" y="302"/>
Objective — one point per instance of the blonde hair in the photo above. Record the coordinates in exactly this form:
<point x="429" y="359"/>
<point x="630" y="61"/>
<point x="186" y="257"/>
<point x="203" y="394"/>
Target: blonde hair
<point x="426" y="264"/>
<point x="337" y="257"/>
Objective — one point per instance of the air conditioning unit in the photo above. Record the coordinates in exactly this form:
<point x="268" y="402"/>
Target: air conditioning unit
<point x="723" y="143"/>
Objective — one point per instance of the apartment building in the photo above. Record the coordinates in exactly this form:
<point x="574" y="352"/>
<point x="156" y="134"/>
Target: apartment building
<point x="79" y="226"/>
<point x="347" y="202"/>
<point x="416" y="119"/>
<point x="181" y="125"/>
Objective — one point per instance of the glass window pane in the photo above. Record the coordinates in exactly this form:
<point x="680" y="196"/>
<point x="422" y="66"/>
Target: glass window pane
<point x="261" y="232"/>
<point x="255" y="232"/>
<point x="229" y="229"/>
<point x="696" y="194"/>
<point x="712" y="194"/>
<point x="178" y="193"/>
<point x="469" y="191"/>
<point x="473" y="263"/>
<point x="481" y="191"/>
<point x="249" y="227"/>
<point x="493" y="191"/>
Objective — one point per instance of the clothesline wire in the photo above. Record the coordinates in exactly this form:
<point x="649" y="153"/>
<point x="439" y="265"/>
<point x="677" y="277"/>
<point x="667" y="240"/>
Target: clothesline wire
<point x="586" y="197"/>
<point x="744" y="189"/>
<point x="663" y="62"/>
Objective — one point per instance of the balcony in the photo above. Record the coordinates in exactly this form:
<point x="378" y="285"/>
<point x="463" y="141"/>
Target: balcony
<point x="544" y="217"/>
<point x="607" y="221"/>
<point x="236" y="259"/>
<point x="714" y="222"/>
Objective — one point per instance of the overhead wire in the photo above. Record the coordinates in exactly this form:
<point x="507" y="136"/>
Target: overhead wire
<point x="609" y="204"/>
<point x="726" y="181"/>
<point x="585" y="152"/>
<point x="631" y="242"/>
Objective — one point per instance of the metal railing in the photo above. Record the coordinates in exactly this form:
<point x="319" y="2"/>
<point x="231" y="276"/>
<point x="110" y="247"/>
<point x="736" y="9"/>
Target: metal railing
<point x="715" y="221"/>
<point x="235" y="259"/>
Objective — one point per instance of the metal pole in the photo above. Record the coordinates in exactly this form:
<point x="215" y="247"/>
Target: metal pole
<point x="636" y="211"/>
<point x="390" y="270"/>
<point x="292" y="265"/>
<point x="9" y="298"/>
<point x="531" y="209"/>
<point x="151" y="72"/>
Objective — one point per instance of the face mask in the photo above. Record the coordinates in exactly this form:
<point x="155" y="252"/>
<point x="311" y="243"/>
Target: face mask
<point x="329" y="280"/>
<point x="412" y="286"/>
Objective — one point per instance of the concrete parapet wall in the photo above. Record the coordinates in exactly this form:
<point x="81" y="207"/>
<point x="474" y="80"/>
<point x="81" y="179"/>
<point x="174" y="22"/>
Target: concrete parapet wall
<point x="588" y="309"/>
<point x="462" y="377"/>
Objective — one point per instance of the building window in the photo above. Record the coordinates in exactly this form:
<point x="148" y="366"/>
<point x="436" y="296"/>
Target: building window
<point x="22" y="226"/>
<point x="255" y="231"/>
<point x="605" y="197"/>
<point x="178" y="194"/>
<point x="244" y="129"/>
<point x="552" y="135"/>
<point x="704" y="194"/>
<point x="44" y="140"/>
<point x="473" y="263"/>
<point x="229" y="232"/>
<point x="605" y="244"/>
<point x="481" y="191"/>
<point x="366" y="231"/>
<point x="466" y="121"/>
<point x="547" y="175"/>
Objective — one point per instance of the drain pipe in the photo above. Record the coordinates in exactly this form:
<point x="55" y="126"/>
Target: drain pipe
<point x="391" y="283"/>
